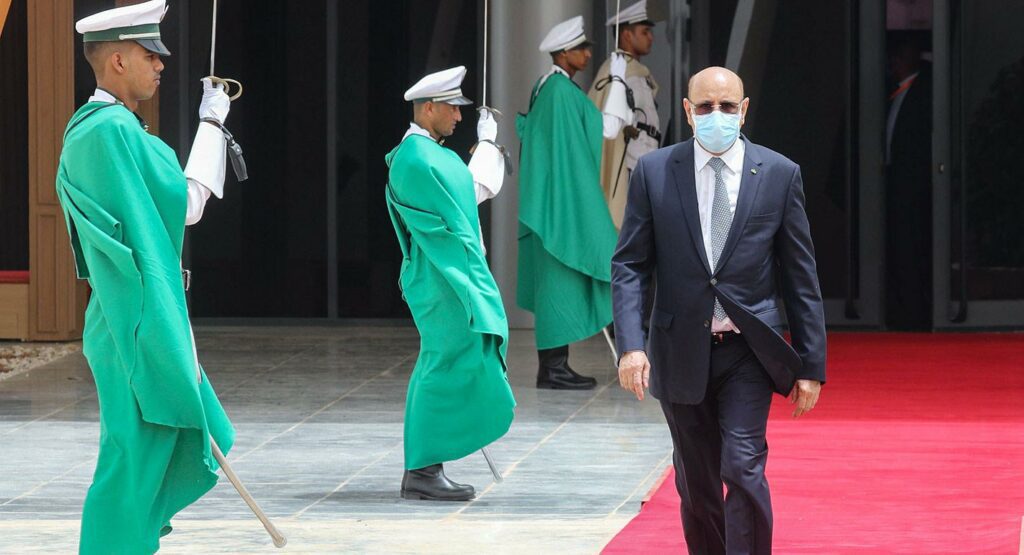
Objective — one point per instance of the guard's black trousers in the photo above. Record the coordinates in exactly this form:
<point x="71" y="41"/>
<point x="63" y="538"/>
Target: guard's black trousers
<point x="722" y="440"/>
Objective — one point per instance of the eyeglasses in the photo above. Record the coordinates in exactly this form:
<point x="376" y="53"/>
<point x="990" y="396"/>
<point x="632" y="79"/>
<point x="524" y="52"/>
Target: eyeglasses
<point x="708" y="107"/>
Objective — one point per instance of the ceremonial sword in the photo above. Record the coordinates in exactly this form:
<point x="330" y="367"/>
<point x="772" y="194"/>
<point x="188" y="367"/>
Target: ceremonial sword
<point x="226" y="83"/>
<point x="495" y="113"/>
<point x="483" y="103"/>
<point x="238" y="163"/>
<point x="234" y="149"/>
<point x="275" y="534"/>
<point x="615" y="43"/>
<point x="497" y="116"/>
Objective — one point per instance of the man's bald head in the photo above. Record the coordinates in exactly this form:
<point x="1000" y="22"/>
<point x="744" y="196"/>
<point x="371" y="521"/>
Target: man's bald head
<point x="715" y="79"/>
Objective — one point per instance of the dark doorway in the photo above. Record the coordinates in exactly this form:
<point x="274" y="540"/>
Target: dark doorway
<point x="980" y="274"/>
<point x="13" y="143"/>
<point x="261" y="252"/>
<point x="308" y="235"/>
<point x="376" y="64"/>
<point x="801" y="88"/>
<point x="908" y="166"/>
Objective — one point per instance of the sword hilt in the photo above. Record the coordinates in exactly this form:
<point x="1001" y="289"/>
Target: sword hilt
<point x="494" y="112"/>
<point x="227" y="83"/>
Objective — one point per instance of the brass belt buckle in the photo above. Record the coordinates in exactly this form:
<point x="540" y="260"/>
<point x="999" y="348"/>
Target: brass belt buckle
<point x="186" y="278"/>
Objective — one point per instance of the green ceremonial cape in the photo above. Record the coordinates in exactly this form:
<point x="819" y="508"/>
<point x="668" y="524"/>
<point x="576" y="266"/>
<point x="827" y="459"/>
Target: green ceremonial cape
<point x="459" y="398"/>
<point x="124" y="200"/>
<point x="566" y="235"/>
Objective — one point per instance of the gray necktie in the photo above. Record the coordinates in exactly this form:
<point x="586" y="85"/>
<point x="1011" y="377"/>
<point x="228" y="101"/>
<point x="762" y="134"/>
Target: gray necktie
<point x="721" y="221"/>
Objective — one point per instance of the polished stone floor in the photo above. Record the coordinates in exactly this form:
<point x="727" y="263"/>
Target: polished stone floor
<point x="319" y="417"/>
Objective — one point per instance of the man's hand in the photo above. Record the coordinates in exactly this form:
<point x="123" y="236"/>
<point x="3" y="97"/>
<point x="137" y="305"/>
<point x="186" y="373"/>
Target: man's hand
<point x="804" y="395"/>
<point x="215" y="103"/>
<point x="635" y="373"/>
<point x="486" y="126"/>
<point x="617" y="67"/>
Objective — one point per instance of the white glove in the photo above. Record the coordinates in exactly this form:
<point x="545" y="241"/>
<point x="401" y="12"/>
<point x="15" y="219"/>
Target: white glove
<point x="215" y="103"/>
<point x="617" y="68"/>
<point x="486" y="126"/>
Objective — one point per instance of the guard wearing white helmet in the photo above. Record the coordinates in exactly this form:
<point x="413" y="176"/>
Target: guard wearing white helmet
<point x="127" y="200"/>
<point x="459" y="399"/>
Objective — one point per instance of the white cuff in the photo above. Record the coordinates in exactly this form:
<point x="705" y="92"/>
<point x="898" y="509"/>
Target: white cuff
<point x="197" y="197"/>
<point x="615" y="104"/>
<point x="488" y="168"/>
<point x="612" y="126"/>
<point x="207" y="161"/>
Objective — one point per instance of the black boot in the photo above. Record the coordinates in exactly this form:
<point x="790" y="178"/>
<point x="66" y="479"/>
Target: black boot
<point x="431" y="484"/>
<point x="554" y="371"/>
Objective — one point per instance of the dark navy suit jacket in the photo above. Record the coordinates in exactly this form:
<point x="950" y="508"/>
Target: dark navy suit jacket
<point x="767" y="257"/>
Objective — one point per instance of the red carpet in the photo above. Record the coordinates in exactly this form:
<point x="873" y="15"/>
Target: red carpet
<point x="916" y="446"/>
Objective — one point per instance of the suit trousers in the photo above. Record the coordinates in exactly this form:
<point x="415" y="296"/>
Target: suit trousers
<point x="720" y="441"/>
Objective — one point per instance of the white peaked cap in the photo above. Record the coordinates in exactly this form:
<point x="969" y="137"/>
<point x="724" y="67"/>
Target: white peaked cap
<point x="635" y="13"/>
<point x="138" y="22"/>
<point x="564" y="36"/>
<point x="443" y="86"/>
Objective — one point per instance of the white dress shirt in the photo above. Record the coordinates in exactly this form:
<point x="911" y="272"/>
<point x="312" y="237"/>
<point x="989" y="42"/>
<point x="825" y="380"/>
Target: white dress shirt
<point x="415" y="129"/>
<point x="732" y="173"/>
<point x="197" y="194"/>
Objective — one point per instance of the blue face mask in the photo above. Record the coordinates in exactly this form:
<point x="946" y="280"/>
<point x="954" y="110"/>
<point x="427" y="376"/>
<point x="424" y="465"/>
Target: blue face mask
<point x="716" y="131"/>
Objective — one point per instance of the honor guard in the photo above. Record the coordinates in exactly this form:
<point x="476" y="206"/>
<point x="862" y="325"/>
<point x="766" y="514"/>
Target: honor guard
<point x="459" y="399"/>
<point x="566" y="236"/>
<point x="126" y="202"/>
<point x="624" y="90"/>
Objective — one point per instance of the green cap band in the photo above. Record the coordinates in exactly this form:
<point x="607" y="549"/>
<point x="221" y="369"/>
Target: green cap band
<point x="135" y="32"/>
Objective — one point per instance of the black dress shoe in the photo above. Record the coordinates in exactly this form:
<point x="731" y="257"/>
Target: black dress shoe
<point x="554" y="371"/>
<point x="431" y="484"/>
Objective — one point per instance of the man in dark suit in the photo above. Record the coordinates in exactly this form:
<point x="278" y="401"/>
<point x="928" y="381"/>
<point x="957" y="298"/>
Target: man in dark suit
<point x="908" y="184"/>
<point x="720" y="222"/>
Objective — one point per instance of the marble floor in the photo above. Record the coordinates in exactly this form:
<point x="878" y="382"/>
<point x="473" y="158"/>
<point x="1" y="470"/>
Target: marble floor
<point x="319" y="417"/>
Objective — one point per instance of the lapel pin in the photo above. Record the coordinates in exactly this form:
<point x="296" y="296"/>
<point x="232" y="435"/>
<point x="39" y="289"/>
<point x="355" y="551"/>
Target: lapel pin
<point x="753" y="171"/>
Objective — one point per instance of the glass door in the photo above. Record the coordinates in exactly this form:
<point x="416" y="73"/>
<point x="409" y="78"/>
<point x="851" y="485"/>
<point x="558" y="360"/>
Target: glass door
<point x="978" y="233"/>
<point x="808" y="103"/>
